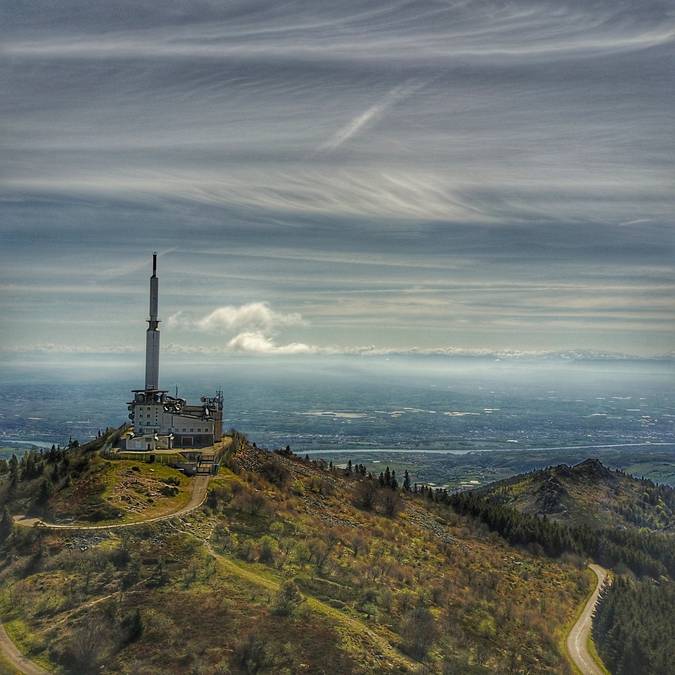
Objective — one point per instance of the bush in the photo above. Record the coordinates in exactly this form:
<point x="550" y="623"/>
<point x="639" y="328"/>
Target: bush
<point x="268" y="550"/>
<point x="418" y="630"/>
<point x="366" y="495"/>
<point x="391" y="501"/>
<point x="219" y="496"/>
<point x="132" y="626"/>
<point x="288" y="599"/>
<point x="274" y="471"/>
<point x="252" y="654"/>
<point x="251" y="503"/>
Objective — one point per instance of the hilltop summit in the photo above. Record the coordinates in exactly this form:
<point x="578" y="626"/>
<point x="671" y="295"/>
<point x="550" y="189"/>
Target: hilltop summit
<point x="589" y="493"/>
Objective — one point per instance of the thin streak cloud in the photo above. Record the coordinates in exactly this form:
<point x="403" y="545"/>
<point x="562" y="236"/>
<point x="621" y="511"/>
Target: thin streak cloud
<point x="371" y="114"/>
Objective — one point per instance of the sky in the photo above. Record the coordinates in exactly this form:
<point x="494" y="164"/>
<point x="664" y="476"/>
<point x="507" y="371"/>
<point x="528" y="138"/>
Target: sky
<point x="338" y="177"/>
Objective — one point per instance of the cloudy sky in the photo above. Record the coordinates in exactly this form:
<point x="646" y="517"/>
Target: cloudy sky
<point x="338" y="176"/>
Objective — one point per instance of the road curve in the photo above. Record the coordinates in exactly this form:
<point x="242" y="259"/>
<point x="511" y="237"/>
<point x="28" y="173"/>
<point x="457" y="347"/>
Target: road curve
<point x="15" y="658"/>
<point x="7" y="647"/>
<point x="197" y="498"/>
<point x="577" y="640"/>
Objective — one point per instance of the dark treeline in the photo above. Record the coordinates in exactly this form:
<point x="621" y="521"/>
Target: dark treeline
<point x="634" y="627"/>
<point x="645" y="553"/>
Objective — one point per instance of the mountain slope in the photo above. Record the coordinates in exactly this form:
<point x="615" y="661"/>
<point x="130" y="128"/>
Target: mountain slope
<point x="589" y="494"/>
<point x="290" y="567"/>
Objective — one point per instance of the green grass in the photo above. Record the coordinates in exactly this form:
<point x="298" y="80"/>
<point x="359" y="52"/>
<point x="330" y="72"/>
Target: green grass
<point x="7" y="668"/>
<point x="595" y="656"/>
<point x="28" y="643"/>
<point x="111" y="473"/>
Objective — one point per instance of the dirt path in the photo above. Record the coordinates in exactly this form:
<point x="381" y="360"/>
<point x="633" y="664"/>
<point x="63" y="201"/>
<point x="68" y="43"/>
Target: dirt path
<point x="7" y="647"/>
<point x="197" y="498"/>
<point x="577" y="640"/>
<point x="354" y="625"/>
<point x="16" y="658"/>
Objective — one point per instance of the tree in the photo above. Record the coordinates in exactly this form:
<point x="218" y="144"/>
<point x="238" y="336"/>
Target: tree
<point x="288" y="599"/>
<point x="406" y="481"/>
<point x="366" y="494"/>
<point x="5" y="525"/>
<point x="418" y="630"/>
<point x="391" y="502"/>
<point x="132" y="626"/>
<point x="87" y="646"/>
<point x="13" y="468"/>
<point x="320" y="550"/>
<point x="46" y="491"/>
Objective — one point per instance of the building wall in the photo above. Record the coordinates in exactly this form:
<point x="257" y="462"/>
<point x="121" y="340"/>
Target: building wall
<point x="191" y="431"/>
<point x="192" y="440"/>
<point x="179" y="424"/>
<point x="150" y="418"/>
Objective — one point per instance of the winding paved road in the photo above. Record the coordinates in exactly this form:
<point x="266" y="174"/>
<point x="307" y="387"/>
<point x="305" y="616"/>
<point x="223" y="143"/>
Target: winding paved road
<point x="16" y="658"/>
<point x="577" y="640"/>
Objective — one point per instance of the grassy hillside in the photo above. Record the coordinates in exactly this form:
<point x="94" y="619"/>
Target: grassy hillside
<point x="77" y="484"/>
<point x="589" y="494"/>
<point x="290" y="568"/>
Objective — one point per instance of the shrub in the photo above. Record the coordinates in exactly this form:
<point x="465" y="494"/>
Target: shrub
<point x="268" y="550"/>
<point x="288" y="599"/>
<point x="132" y="626"/>
<point x="252" y="654"/>
<point x="418" y="630"/>
<point x="366" y="495"/>
<point x="321" y="486"/>
<point x="219" y="496"/>
<point x="391" y="501"/>
<point x="274" y="471"/>
<point x="252" y="503"/>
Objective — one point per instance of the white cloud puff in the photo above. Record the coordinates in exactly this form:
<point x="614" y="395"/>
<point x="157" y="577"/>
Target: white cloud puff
<point x="253" y="324"/>
<point x="257" y="343"/>
<point x="253" y="316"/>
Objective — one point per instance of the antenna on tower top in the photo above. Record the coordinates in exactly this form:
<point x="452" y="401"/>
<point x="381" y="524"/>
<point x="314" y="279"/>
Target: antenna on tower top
<point x="154" y="263"/>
